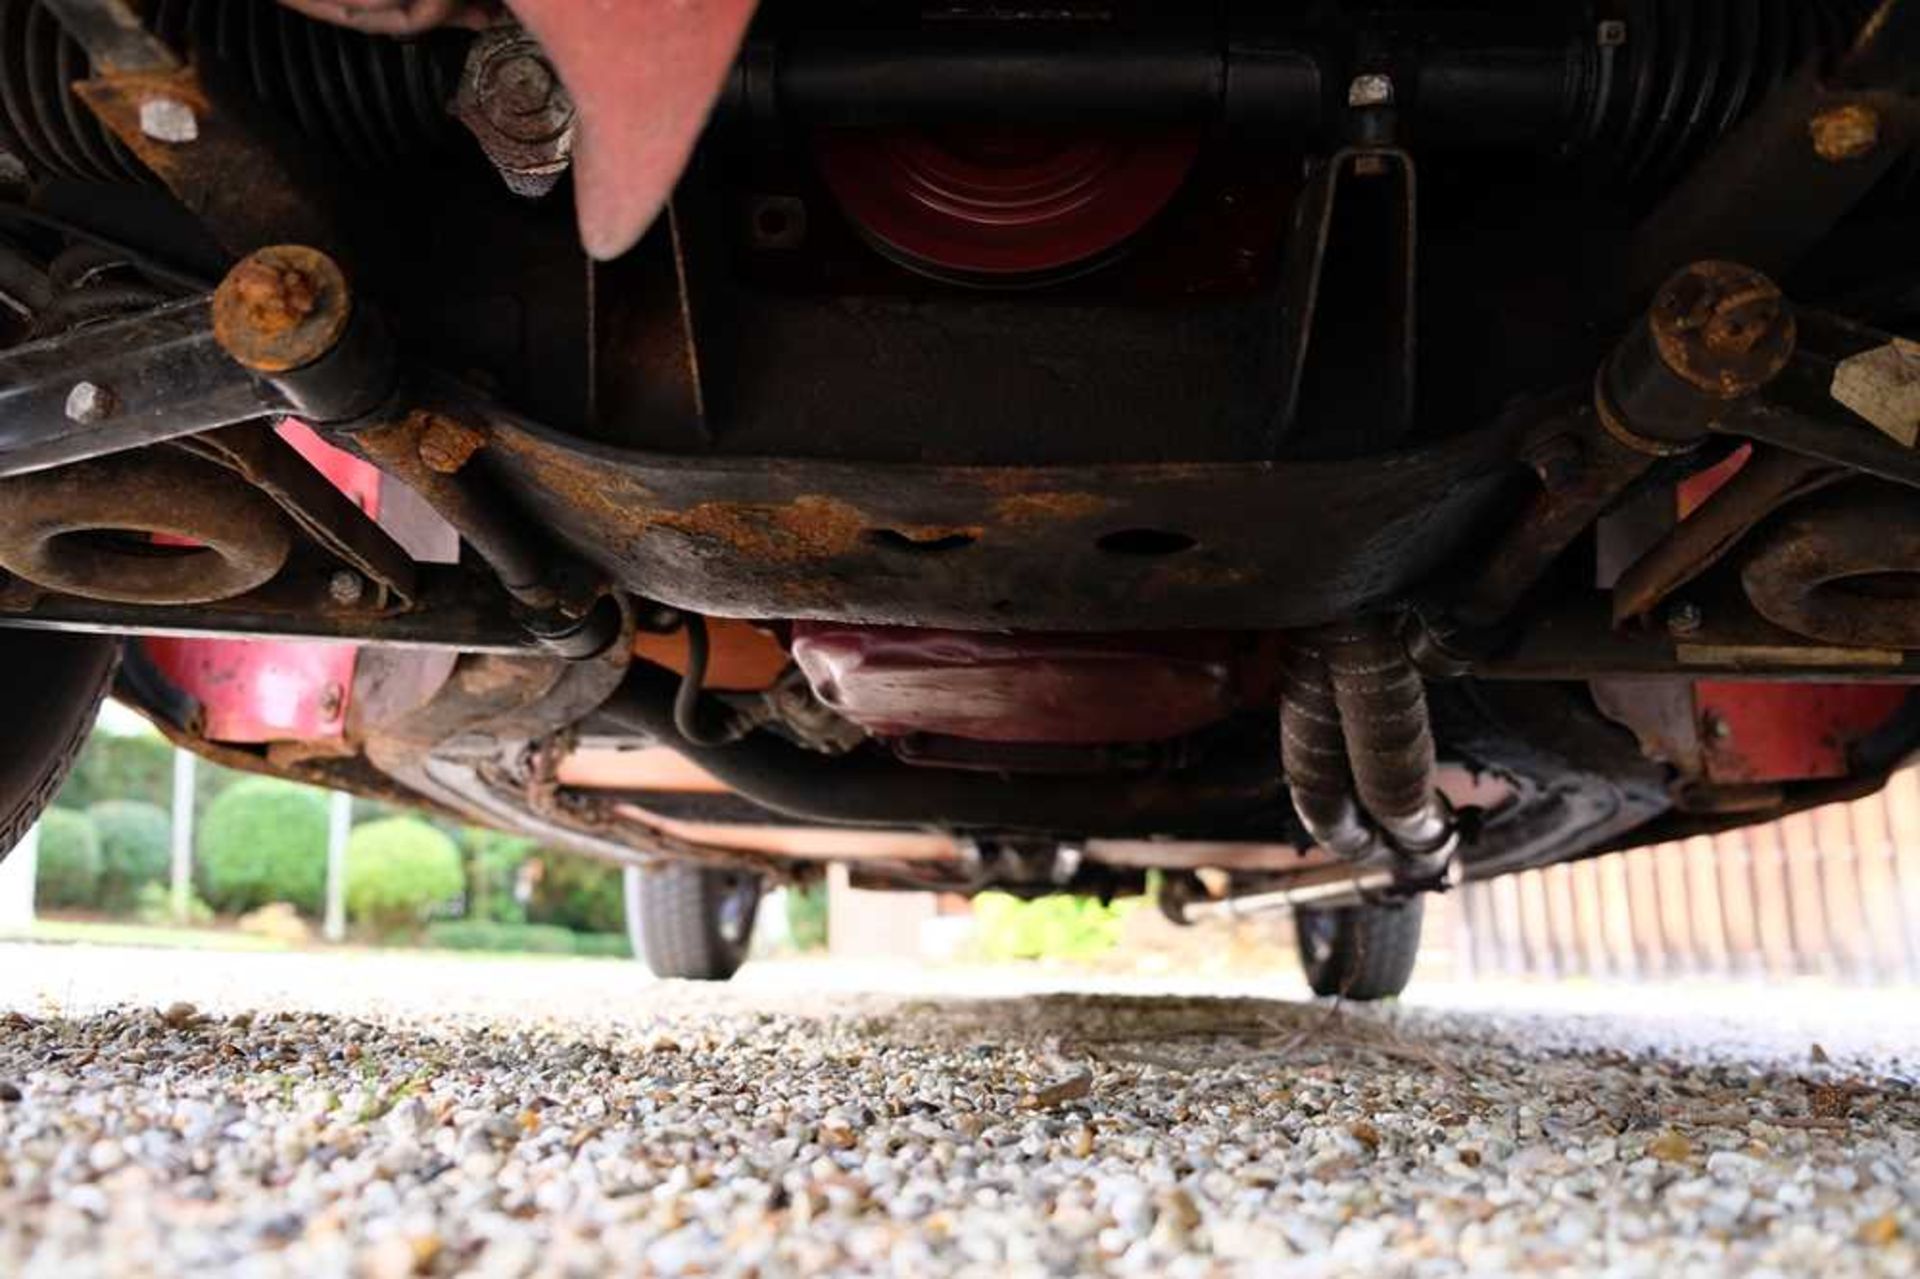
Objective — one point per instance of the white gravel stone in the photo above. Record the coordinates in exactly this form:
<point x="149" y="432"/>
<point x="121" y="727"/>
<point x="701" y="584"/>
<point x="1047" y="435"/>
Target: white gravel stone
<point x="684" y="1131"/>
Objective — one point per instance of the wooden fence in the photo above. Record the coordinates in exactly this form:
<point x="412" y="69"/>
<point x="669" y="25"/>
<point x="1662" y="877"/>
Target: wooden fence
<point x="1833" y="893"/>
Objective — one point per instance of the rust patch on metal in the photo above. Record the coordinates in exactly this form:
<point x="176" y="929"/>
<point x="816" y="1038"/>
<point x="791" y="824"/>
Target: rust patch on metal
<point x="281" y="308"/>
<point x="1765" y="656"/>
<point x="1843" y="569"/>
<point x="80" y="530"/>
<point x="1048" y="508"/>
<point x="447" y="445"/>
<point x="1723" y="327"/>
<point x="1844" y="132"/>
<point x="229" y="172"/>
<point x="807" y="528"/>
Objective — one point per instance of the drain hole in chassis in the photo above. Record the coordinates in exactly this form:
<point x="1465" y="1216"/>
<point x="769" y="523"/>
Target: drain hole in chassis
<point x="1145" y="542"/>
<point x="892" y="539"/>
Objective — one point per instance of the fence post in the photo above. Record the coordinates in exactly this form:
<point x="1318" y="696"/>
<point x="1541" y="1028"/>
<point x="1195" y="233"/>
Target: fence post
<point x="339" y="826"/>
<point x="183" y="764"/>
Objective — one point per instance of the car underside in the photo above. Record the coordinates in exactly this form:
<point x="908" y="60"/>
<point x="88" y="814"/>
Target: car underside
<point x="1310" y="454"/>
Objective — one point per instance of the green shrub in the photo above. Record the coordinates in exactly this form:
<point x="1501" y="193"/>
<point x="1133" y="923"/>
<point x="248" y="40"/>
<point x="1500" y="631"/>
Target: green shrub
<point x="580" y="893"/>
<point x="136" y="849"/>
<point x="493" y="862"/>
<point x="603" y="945"/>
<point x="153" y="905"/>
<point x="1069" y="928"/>
<point x="474" y="934"/>
<point x="69" y="868"/>
<point x="120" y="766"/>
<point x="264" y="840"/>
<point x="807" y="915"/>
<point x="399" y="871"/>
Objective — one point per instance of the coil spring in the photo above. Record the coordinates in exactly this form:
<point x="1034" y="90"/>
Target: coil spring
<point x="372" y="101"/>
<point x="1690" y="69"/>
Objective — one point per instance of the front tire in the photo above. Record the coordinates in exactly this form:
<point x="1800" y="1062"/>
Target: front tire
<point x="51" y="687"/>
<point x="691" y="922"/>
<point x="1359" y="952"/>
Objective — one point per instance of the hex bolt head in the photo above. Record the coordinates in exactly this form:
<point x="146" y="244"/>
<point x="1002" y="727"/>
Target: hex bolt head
<point x="1371" y="90"/>
<point x="346" y="587"/>
<point x="89" y="402"/>
<point x="1685" y="618"/>
<point x="1844" y="132"/>
<point x="169" y="120"/>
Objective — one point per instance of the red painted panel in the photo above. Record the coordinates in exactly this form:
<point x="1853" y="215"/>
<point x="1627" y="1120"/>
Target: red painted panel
<point x="263" y="691"/>
<point x="1778" y="732"/>
<point x="1787" y="732"/>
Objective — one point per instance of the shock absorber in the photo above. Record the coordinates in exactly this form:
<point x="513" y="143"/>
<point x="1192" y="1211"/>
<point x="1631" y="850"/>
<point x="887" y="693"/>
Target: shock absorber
<point x="373" y="101"/>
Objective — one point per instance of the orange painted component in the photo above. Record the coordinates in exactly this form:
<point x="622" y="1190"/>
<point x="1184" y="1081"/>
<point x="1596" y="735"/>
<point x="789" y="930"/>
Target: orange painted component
<point x="741" y="656"/>
<point x="657" y="768"/>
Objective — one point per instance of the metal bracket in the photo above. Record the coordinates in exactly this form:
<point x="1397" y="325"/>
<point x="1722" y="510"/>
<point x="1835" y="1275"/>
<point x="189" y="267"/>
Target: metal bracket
<point x="120" y="385"/>
<point x="1341" y="320"/>
<point x="222" y="154"/>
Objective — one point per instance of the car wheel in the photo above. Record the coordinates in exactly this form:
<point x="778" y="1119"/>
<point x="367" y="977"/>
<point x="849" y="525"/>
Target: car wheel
<point x="1359" y="952"/>
<point x="51" y="687"/>
<point x="689" y="921"/>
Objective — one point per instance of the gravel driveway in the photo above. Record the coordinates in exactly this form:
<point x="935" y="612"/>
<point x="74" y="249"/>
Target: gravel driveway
<point x="391" y="1116"/>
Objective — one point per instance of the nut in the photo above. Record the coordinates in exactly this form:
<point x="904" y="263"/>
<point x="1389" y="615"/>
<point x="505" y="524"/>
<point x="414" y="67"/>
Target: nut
<point x="346" y="587"/>
<point x="1610" y="34"/>
<point x="1558" y="462"/>
<point x="169" y="120"/>
<point x="446" y="445"/>
<point x="1845" y="132"/>
<point x="1372" y="90"/>
<point x="89" y="402"/>
<point x="1685" y="618"/>
<point x="514" y="103"/>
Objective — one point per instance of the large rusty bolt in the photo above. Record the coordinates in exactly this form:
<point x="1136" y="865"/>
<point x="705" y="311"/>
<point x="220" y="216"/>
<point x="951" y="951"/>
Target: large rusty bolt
<point x="513" y="102"/>
<point x="281" y="308"/>
<point x="1722" y="327"/>
<point x="447" y="445"/>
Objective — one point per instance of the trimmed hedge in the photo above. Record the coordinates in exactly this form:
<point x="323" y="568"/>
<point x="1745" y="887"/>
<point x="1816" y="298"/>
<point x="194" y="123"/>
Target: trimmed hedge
<point x="479" y="934"/>
<point x="264" y="840"/>
<point x="536" y="939"/>
<point x="807" y="916"/>
<point x="137" y="766"/>
<point x="399" y="871"/>
<point x="577" y="892"/>
<point x="493" y="862"/>
<point x="1061" y="927"/>
<point x="69" y="868"/>
<point x="136" y="849"/>
<point x="154" y="906"/>
<point x="603" y="945"/>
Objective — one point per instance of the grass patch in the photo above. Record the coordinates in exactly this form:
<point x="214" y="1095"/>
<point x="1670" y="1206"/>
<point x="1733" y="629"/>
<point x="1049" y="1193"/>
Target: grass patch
<point x="114" y="933"/>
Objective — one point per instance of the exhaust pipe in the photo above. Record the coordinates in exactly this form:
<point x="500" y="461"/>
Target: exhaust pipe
<point x="1357" y="749"/>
